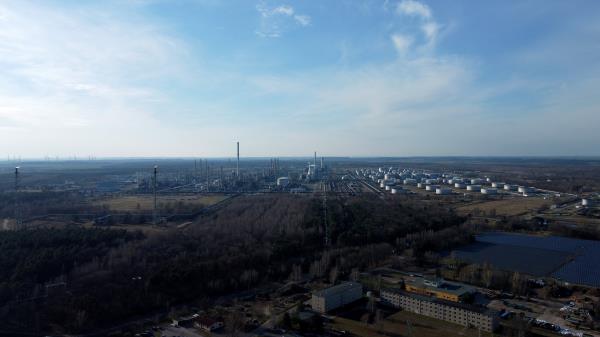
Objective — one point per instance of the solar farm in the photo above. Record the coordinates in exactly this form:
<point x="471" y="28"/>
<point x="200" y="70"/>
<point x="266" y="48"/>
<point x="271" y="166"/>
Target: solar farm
<point x="569" y="260"/>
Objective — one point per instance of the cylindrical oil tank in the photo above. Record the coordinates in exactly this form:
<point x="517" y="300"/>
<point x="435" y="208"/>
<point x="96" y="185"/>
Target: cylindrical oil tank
<point x="489" y="191"/>
<point x="474" y="188"/>
<point x="443" y="191"/>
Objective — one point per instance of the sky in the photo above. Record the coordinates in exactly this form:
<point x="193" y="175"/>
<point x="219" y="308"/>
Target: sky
<point x="190" y="78"/>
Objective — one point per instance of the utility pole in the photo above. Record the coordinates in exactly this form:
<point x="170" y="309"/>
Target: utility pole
<point x="327" y="240"/>
<point x="18" y="219"/>
<point x="155" y="210"/>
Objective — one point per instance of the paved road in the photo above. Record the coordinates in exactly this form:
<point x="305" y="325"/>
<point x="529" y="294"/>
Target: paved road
<point x="183" y="332"/>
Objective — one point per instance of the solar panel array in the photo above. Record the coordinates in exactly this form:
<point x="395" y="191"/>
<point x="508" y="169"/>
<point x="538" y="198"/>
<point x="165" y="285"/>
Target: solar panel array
<point x="579" y="262"/>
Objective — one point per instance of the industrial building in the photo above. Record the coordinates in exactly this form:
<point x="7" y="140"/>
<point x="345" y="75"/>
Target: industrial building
<point x="337" y="296"/>
<point x="588" y="202"/>
<point x="453" y="312"/>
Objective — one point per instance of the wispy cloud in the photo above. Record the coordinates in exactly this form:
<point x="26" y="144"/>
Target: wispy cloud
<point x="66" y="71"/>
<point x="414" y="8"/>
<point x="402" y="43"/>
<point x="274" y="21"/>
<point x="429" y="27"/>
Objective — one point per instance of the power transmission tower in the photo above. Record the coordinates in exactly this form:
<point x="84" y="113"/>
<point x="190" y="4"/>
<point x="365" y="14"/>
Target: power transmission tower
<point x="155" y="209"/>
<point x="18" y="215"/>
<point x="327" y="239"/>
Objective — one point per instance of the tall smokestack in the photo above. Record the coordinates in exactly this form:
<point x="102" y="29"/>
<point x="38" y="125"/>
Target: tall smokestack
<point x="315" y="162"/>
<point x="321" y="163"/>
<point x="238" y="160"/>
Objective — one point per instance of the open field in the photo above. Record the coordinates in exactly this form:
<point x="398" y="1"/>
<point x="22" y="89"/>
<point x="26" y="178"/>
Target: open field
<point x="145" y="202"/>
<point x="508" y="207"/>
<point x="396" y="325"/>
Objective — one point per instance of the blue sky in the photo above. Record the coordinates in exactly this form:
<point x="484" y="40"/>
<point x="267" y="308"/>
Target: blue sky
<point x="285" y="78"/>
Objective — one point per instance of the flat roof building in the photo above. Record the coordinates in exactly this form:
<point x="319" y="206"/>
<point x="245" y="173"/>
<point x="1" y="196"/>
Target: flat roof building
<point x="453" y="312"/>
<point x="337" y="296"/>
<point x="440" y="288"/>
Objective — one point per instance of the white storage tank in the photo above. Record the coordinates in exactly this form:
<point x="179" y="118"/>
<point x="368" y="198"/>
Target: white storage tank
<point x="398" y="190"/>
<point x="421" y="185"/>
<point x="489" y="191"/>
<point x="474" y="188"/>
<point x="460" y="185"/>
<point x="524" y="189"/>
<point x="443" y="191"/>
<point x="497" y="185"/>
<point x="409" y="181"/>
<point x="476" y="181"/>
<point x="587" y="202"/>
<point x="508" y="187"/>
<point x="431" y="188"/>
<point x="283" y="181"/>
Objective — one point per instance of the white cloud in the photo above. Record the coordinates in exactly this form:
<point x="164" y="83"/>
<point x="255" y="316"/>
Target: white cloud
<point x="414" y="8"/>
<point x="283" y="9"/>
<point x="428" y="28"/>
<point x="81" y="72"/>
<point x="431" y="30"/>
<point x="303" y="20"/>
<point x="402" y="43"/>
<point x="276" y="20"/>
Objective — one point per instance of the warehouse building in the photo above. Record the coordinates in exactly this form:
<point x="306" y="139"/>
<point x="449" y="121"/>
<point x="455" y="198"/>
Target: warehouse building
<point x="453" y="312"/>
<point x="337" y="296"/>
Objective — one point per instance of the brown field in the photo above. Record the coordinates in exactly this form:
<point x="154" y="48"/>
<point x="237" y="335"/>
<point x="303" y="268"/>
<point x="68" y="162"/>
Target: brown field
<point x="508" y="207"/>
<point x="577" y="219"/>
<point x="145" y="202"/>
<point x="396" y="325"/>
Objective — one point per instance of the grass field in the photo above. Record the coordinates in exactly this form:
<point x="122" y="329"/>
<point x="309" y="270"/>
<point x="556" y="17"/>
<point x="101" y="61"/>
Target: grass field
<point x="396" y="325"/>
<point x="508" y="207"/>
<point x="145" y="202"/>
